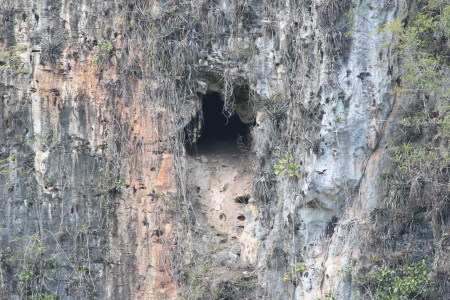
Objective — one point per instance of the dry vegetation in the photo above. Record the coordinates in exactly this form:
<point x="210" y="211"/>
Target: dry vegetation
<point x="158" y="62"/>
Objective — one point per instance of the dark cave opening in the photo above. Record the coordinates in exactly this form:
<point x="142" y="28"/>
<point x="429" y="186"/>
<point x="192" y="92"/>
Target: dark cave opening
<point x="216" y="126"/>
<point x="219" y="134"/>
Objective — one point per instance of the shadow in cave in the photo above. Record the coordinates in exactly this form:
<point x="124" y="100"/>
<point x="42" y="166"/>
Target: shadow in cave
<point x="219" y="135"/>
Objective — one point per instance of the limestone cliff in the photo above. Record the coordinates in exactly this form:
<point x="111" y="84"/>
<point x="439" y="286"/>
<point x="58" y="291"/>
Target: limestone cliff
<point x="226" y="149"/>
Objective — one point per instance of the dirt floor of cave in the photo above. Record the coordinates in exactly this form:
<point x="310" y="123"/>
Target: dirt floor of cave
<point x="219" y="185"/>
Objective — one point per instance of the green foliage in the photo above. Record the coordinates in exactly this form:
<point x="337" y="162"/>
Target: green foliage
<point x="203" y="279"/>
<point x="404" y="283"/>
<point x="287" y="164"/>
<point x="42" y="297"/>
<point x="234" y="289"/>
<point x="348" y="269"/>
<point x="20" y="164"/>
<point x="102" y="52"/>
<point x="383" y="283"/>
<point x="31" y="267"/>
<point x="411" y="160"/>
<point x="416" y="119"/>
<point x="350" y="14"/>
<point x="416" y="45"/>
<point x="274" y="107"/>
<point x="414" y="162"/>
<point x="11" y="60"/>
<point x="420" y="156"/>
<point x="341" y="116"/>
<point x="444" y="124"/>
<point x="44" y="142"/>
<point x="23" y="71"/>
<point x="81" y="270"/>
<point x="169" y="200"/>
<point x="329" y="296"/>
<point x="118" y="183"/>
<point x="196" y="275"/>
<point x="110" y="183"/>
<point x="8" y="164"/>
<point x="295" y="271"/>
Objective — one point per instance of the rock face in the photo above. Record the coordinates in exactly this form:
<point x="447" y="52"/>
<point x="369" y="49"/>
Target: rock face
<point x="108" y="188"/>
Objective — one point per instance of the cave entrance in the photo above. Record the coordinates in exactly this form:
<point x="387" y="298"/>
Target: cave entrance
<point x="219" y="134"/>
<point x="218" y="175"/>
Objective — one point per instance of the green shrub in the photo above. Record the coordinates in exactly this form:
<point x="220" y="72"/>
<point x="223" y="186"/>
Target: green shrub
<point x="416" y="44"/>
<point x="8" y="164"/>
<point x="286" y="164"/>
<point x="10" y="59"/>
<point x="102" y="52"/>
<point x="27" y="259"/>
<point x="404" y="283"/>
<point x="295" y="271"/>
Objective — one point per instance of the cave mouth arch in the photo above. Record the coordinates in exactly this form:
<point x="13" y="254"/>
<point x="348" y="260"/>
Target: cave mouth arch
<point x="219" y="134"/>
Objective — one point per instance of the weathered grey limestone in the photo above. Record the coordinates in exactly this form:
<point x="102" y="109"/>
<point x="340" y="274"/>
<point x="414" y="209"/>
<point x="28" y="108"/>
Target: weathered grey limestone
<point x="78" y="129"/>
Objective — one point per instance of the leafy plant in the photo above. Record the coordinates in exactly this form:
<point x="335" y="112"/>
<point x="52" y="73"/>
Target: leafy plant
<point x="11" y="60"/>
<point x="275" y="107"/>
<point x="102" y="52"/>
<point x="416" y="163"/>
<point x="341" y="116"/>
<point x="234" y="289"/>
<point x="350" y="14"/>
<point x="167" y="198"/>
<point x="44" y="142"/>
<point x="8" y="164"/>
<point x="31" y="268"/>
<point x="404" y="283"/>
<point x="415" y="44"/>
<point x="295" y="271"/>
<point x="329" y="296"/>
<point x="287" y="164"/>
<point x="109" y="183"/>
<point x="347" y="269"/>
<point x="416" y="193"/>
<point x="196" y="274"/>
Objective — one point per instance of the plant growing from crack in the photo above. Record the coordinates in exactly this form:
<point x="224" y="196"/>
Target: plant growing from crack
<point x="51" y="48"/>
<point x="110" y="184"/>
<point x="102" y="52"/>
<point x="418" y="46"/>
<point x="32" y="268"/>
<point x="295" y="271"/>
<point x="287" y="164"/>
<point x="8" y="164"/>
<point x="407" y="282"/>
<point x="274" y="107"/>
<point x="10" y="59"/>
<point x="329" y="296"/>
